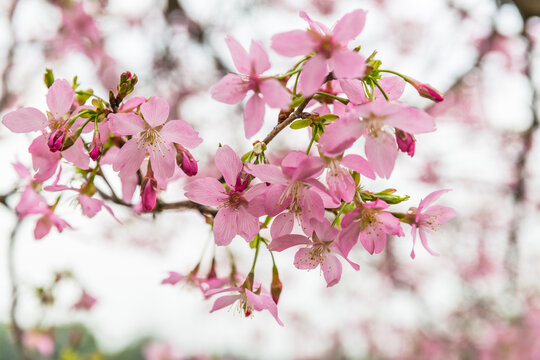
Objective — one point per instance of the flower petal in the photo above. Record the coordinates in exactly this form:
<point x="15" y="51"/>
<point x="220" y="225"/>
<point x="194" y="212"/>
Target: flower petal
<point x="282" y="225"/>
<point x="253" y="115"/>
<point x="267" y="173"/>
<point x="25" y="120"/>
<point x="60" y="97"/>
<point x="348" y="64"/>
<point x="381" y="152"/>
<point x="293" y="43"/>
<point x="180" y="132"/>
<point x="286" y="241"/>
<point x="358" y="164"/>
<point x="331" y="268"/>
<point x="275" y="94"/>
<point x="225" y="226"/>
<point x="312" y="75"/>
<point x="229" y="163"/>
<point x="239" y="55"/>
<point x="206" y="191"/>
<point x="224" y="301"/>
<point x="155" y="111"/>
<point x="349" y="26"/>
<point x="231" y="89"/>
<point x="258" y="58"/>
<point x="124" y="124"/>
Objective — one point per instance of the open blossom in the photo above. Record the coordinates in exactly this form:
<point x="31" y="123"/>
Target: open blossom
<point x="330" y="47"/>
<point x="373" y="120"/>
<point x="292" y="188"/>
<point x="370" y="225"/>
<point x="248" y="301"/>
<point x="320" y="250"/>
<point x="152" y="135"/>
<point x="235" y="214"/>
<point x="429" y="218"/>
<point x="233" y="87"/>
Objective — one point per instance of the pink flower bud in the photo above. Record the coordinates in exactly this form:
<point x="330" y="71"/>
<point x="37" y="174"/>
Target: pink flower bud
<point x="96" y="147"/>
<point x="426" y="90"/>
<point x="148" y="194"/>
<point x="406" y="142"/>
<point x="186" y="161"/>
<point x="56" y="138"/>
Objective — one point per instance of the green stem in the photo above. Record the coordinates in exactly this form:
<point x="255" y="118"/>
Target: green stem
<point x="295" y="84"/>
<point x="396" y="73"/>
<point x="340" y="99"/>
<point x="81" y="92"/>
<point x="311" y="141"/>
<point x="382" y="91"/>
<point x="257" y="246"/>
<point x="339" y="214"/>
<point x="290" y="73"/>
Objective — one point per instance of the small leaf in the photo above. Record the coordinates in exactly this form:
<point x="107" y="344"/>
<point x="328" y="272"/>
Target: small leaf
<point x="296" y="102"/>
<point x="300" y="124"/>
<point x="48" y="77"/>
<point x="246" y="156"/>
<point x="328" y="117"/>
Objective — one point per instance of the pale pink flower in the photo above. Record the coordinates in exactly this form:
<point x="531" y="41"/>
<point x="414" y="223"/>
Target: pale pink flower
<point x="429" y="218"/>
<point x="340" y="182"/>
<point x="233" y="87"/>
<point x="330" y="47"/>
<point x="152" y="135"/>
<point x="85" y="302"/>
<point x="292" y="188"/>
<point x="248" y="301"/>
<point x="374" y="120"/>
<point x="370" y="225"/>
<point x="393" y="87"/>
<point x="40" y="341"/>
<point x="235" y="215"/>
<point x="321" y="250"/>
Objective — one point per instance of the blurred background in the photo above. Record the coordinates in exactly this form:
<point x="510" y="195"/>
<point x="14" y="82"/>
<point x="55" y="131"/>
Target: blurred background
<point x="94" y="292"/>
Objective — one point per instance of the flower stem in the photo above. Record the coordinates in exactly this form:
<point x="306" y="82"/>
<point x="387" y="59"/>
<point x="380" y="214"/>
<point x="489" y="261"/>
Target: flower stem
<point x="340" y="99"/>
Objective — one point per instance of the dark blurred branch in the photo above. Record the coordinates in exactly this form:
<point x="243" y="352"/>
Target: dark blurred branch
<point x="528" y="8"/>
<point x="7" y="96"/>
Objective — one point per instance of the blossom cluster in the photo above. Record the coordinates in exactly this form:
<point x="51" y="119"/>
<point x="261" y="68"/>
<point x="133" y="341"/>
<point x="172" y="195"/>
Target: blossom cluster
<point x="314" y="199"/>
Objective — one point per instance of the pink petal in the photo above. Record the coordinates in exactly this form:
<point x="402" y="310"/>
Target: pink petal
<point x="340" y="136"/>
<point x="348" y="236"/>
<point x="434" y="196"/>
<point x="305" y="260"/>
<point x="155" y="111"/>
<point x="207" y="191"/>
<point x="231" y="89"/>
<point x="282" y="225"/>
<point x="349" y="26"/>
<point x="43" y="160"/>
<point x="354" y="90"/>
<point x="332" y="269"/>
<point x="324" y="230"/>
<point x="262" y="302"/>
<point x="224" y="301"/>
<point x="43" y="226"/>
<point x="393" y="86"/>
<point x="293" y="43"/>
<point x="225" y="226"/>
<point x="25" y="120"/>
<point x="413" y="233"/>
<point x="275" y="94"/>
<point x="312" y="75"/>
<point x="173" y="279"/>
<point x="286" y="241"/>
<point x="310" y="167"/>
<point x="132" y="104"/>
<point x="247" y="224"/>
<point x="267" y="173"/>
<point x="239" y="55"/>
<point x="180" y="132"/>
<point x="60" y="97"/>
<point x="381" y="152"/>
<point x="253" y="115"/>
<point x="129" y="183"/>
<point x="411" y="120"/>
<point x="358" y="164"/>
<point x="124" y="124"/>
<point x="90" y="206"/>
<point x="273" y="204"/>
<point x="259" y="58"/>
<point x="423" y="239"/>
<point x="129" y="158"/>
<point x="77" y="155"/>
<point x="348" y="64"/>
<point x="229" y="163"/>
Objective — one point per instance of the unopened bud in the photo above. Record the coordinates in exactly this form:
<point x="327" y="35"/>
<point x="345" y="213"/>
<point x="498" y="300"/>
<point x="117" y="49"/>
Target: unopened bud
<point x="406" y="142"/>
<point x="425" y="90"/>
<point x="96" y="147"/>
<point x="186" y="161"/>
<point x="276" y="286"/>
<point x="56" y="139"/>
<point x="148" y="194"/>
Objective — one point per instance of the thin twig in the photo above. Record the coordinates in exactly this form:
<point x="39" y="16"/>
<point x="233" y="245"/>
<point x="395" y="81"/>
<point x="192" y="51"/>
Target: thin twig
<point x="282" y="125"/>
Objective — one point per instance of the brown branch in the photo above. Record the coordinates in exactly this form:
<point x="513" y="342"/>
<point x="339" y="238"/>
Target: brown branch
<point x="283" y="124"/>
<point x="7" y="96"/>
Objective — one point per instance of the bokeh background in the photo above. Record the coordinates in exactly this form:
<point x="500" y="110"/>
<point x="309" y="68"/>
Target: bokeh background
<point x="478" y="300"/>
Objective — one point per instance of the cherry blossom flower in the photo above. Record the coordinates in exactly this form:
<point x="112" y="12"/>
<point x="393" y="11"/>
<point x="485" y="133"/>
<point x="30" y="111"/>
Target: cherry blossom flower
<point x="235" y="213"/>
<point x="152" y="135"/>
<point x="248" y="301"/>
<point x="40" y="341"/>
<point x="320" y="250"/>
<point x="292" y="188"/>
<point x="330" y="47"/>
<point x="369" y="224"/>
<point x="429" y="218"/>
<point x="373" y="120"/>
<point x="233" y="88"/>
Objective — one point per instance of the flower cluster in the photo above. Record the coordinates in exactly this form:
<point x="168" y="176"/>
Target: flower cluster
<point x="314" y="198"/>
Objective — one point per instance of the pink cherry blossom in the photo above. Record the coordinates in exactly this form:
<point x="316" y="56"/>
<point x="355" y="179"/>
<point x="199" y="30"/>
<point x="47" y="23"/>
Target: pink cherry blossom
<point x="233" y="88"/>
<point x="292" y="188"/>
<point x="320" y="250"/>
<point x="429" y="218"/>
<point x="369" y="224"/>
<point x="233" y="201"/>
<point x="248" y="301"/>
<point x="40" y="341"/>
<point x="85" y="302"/>
<point x="373" y="120"/>
<point x="152" y="135"/>
<point x="330" y="47"/>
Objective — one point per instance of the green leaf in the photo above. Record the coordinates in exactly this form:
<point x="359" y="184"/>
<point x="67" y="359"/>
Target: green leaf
<point x="328" y="117"/>
<point x="391" y="199"/>
<point x="296" y="102"/>
<point x="246" y="156"/>
<point x="300" y="124"/>
<point x="48" y="77"/>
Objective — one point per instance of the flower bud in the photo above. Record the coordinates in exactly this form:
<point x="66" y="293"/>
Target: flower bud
<point x="148" y="193"/>
<point x="276" y="286"/>
<point x="425" y="90"/>
<point x="55" y="140"/>
<point x="186" y="161"/>
<point x="96" y="147"/>
<point x="405" y="142"/>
